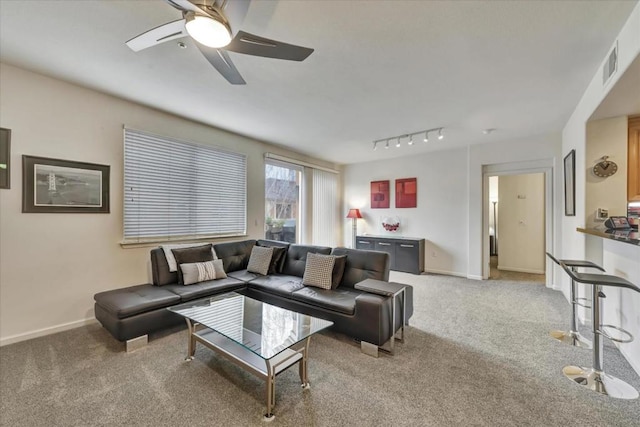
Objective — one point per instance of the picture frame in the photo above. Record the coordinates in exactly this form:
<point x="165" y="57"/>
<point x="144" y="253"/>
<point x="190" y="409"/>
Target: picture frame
<point x="406" y="193"/>
<point x="5" y="158"/>
<point x="380" y="193"/>
<point x="64" y="186"/>
<point x="570" y="184"/>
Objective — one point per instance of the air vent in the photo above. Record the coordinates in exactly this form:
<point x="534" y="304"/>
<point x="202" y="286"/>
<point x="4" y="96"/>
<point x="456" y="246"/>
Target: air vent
<point x="610" y="65"/>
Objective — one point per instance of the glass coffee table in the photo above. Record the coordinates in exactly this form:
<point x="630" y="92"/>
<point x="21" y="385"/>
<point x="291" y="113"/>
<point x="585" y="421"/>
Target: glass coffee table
<point x="261" y="338"/>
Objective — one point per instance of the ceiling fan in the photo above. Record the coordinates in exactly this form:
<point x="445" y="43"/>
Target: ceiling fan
<point x="209" y="23"/>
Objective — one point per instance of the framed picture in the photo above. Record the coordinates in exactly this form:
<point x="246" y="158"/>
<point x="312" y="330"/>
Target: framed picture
<point x="5" y="158"/>
<point x="380" y="194"/>
<point x="570" y="184"/>
<point x="64" y="186"/>
<point x="406" y="193"/>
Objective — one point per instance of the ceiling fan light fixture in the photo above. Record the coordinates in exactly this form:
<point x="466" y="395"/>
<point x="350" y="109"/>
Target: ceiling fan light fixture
<point x="208" y="31"/>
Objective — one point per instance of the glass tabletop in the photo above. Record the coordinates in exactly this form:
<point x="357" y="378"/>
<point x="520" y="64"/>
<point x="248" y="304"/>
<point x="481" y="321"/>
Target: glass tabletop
<point x="262" y="328"/>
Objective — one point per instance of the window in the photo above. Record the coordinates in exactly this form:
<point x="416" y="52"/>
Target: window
<point x="282" y="201"/>
<point x="176" y="190"/>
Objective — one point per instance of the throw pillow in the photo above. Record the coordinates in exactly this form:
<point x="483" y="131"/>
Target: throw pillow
<point x="319" y="270"/>
<point x="197" y="272"/>
<point x="338" y="270"/>
<point x="260" y="260"/>
<point x="190" y="255"/>
<point x="277" y="259"/>
<point x="171" y="260"/>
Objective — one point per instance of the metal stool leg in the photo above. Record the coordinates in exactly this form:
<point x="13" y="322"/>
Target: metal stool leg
<point x="572" y="337"/>
<point x="595" y="378"/>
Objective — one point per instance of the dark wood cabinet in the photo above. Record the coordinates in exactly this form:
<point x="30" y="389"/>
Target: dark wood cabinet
<point x="406" y="254"/>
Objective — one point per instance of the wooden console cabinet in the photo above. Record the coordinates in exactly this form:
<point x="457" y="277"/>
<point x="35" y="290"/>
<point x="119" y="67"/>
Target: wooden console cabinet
<point x="633" y="170"/>
<point x="406" y="253"/>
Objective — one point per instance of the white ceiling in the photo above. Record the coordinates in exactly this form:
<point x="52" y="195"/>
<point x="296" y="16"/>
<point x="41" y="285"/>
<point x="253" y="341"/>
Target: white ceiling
<point x="380" y="68"/>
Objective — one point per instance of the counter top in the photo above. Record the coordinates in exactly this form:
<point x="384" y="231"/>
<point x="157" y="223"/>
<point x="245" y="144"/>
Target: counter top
<point x="631" y="236"/>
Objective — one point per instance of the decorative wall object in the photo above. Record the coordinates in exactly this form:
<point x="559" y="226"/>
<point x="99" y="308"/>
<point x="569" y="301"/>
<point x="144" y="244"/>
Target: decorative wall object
<point x="380" y="194"/>
<point x="63" y="186"/>
<point x="570" y="184"/>
<point x="5" y="158"/>
<point x="391" y="224"/>
<point x="406" y="193"/>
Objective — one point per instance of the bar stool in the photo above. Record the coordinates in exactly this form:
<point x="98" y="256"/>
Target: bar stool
<point x="595" y="378"/>
<point x="573" y="337"/>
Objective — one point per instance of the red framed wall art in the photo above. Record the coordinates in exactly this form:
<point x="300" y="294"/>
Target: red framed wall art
<point x="380" y="194"/>
<point x="406" y="193"/>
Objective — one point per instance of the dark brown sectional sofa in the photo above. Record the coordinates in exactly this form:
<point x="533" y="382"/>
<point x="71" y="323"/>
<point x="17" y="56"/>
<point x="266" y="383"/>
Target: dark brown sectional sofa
<point x="129" y="313"/>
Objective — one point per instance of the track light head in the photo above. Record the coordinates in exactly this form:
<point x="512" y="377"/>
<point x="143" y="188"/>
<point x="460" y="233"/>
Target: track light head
<point x="426" y="137"/>
<point x="375" y="145"/>
<point x="387" y="146"/>
<point x="398" y="143"/>
<point x="410" y="140"/>
<point x="440" y="135"/>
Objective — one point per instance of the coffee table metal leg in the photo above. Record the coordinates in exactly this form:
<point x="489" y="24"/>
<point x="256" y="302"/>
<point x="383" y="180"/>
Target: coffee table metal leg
<point x="304" y="373"/>
<point x="271" y="392"/>
<point x="191" y="346"/>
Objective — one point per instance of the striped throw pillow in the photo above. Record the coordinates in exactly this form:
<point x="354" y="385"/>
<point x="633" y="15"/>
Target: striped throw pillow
<point x="197" y="272"/>
<point x="319" y="270"/>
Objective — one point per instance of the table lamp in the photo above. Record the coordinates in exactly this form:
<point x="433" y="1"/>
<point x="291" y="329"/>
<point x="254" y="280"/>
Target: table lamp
<point x="354" y="214"/>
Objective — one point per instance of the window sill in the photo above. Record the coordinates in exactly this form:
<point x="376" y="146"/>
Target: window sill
<point x="148" y="243"/>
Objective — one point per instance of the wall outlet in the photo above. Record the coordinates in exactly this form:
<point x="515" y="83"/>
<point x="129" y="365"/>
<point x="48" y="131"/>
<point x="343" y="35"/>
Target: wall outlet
<point x="433" y="254"/>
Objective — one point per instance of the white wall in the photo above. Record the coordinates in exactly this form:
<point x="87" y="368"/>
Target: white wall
<point x="574" y="137"/>
<point x="51" y="265"/>
<point x="441" y="213"/>
<point x="450" y="211"/>
<point x="607" y="137"/>
<point x="521" y="225"/>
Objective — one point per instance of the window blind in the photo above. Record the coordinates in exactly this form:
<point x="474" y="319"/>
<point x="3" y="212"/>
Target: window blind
<point x="176" y="190"/>
<point x="325" y="208"/>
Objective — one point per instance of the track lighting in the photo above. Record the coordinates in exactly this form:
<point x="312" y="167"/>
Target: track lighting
<point x="410" y="136"/>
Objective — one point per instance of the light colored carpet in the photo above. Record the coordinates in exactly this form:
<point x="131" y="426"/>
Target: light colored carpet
<point x="478" y="353"/>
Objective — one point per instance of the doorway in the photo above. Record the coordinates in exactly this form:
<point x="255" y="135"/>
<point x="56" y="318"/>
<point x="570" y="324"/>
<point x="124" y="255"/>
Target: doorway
<point x="516" y="228"/>
<point x="518" y="221"/>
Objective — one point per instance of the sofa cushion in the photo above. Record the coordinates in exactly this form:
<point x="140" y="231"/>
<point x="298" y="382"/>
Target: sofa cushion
<point x="342" y="300"/>
<point x="234" y="255"/>
<point x="362" y="264"/>
<point x="203" y="289"/>
<point x="133" y="300"/>
<point x="243" y="275"/>
<point x="277" y="284"/>
<point x="201" y="253"/>
<point x="202" y="271"/>
<point x="318" y="270"/>
<point x="160" y="269"/>
<point x="260" y="260"/>
<point x="296" y="258"/>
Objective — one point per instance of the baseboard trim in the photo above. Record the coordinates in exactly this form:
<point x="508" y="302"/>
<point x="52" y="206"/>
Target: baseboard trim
<point x="446" y="273"/>
<point x="520" y="270"/>
<point x="474" y="277"/>
<point x="635" y="364"/>
<point x="46" y="331"/>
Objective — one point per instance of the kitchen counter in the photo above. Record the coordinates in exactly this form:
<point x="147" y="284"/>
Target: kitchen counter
<point x="631" y="236"/>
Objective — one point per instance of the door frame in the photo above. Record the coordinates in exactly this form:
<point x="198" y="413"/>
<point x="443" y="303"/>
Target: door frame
<point x="545" y="166"/>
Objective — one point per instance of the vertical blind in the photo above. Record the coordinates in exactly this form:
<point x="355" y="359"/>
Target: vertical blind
<point x="325" y="208"/>
<point x="179" y="190"/>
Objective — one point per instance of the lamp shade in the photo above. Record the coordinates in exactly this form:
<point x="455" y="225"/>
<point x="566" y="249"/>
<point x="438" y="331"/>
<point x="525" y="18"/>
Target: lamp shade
<point x="354" y="214"/>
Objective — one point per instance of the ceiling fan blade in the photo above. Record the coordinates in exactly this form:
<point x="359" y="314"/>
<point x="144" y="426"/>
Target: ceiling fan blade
<point x="251" y="44"/>
<point x="235" y="11"/>
<point x="186" y="6"/>
<point x="169" y="31"/>
<point x="221" y="62"/>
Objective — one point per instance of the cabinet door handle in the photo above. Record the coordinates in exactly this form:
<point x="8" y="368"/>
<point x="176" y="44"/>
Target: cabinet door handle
<point x="384" y="244"/>
<point x="363" y="242"/>
<point x="406" y="246"/>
